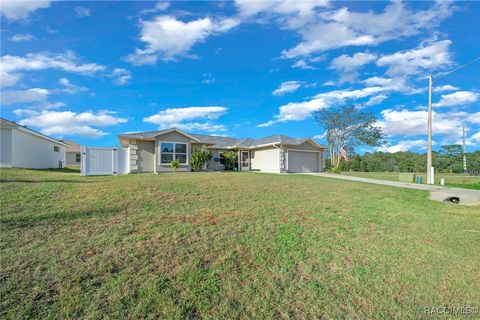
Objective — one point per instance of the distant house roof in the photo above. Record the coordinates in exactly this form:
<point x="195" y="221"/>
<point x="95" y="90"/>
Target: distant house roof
<point x="224" y="142"/>
<point x="10" y="124"/>
<point x="73" y="146"/>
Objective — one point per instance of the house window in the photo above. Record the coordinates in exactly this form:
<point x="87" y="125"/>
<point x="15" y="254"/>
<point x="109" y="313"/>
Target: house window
<point x="56" y="148"/>
<point x="222" y="158"/>
<point x="77" y="157"/>
<point x="170" y="151"/>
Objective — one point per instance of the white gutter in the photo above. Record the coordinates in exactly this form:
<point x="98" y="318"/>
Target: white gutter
<point x="279" y="154"/>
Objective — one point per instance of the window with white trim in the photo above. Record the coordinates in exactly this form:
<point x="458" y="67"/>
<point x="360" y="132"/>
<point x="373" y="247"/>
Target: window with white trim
<point x="170" y="151"/>
<point x="78" y="157"/>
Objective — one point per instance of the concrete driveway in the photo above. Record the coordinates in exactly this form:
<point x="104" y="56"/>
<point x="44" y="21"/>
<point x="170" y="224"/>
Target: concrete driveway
<point x="439" y="193"/>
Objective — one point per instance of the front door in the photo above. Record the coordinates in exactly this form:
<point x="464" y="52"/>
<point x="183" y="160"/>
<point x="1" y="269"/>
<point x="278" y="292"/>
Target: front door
<point x="244" y="160"/>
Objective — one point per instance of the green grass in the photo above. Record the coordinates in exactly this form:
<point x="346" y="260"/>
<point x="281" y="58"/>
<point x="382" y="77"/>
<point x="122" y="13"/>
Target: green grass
<point x="457" y="180"/>
<point x="229" y="245"/>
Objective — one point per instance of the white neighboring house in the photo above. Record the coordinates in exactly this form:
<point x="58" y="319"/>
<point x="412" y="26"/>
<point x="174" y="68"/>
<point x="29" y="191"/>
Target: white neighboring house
<point x="22" y="147"/>
<point x="74" y="155"/>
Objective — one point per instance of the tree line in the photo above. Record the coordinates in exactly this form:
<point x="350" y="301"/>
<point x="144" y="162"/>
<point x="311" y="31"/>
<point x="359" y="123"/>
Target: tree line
<point x="347" y="127"/>
<point x="448" y="159"/>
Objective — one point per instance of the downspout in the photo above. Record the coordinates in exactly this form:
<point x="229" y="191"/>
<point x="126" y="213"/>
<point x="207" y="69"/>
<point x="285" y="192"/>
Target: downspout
<point x="155" y="157"/>
<point x="279" y="158"/>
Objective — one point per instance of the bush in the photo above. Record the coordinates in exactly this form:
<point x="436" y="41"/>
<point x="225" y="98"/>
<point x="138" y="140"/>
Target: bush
<point x="198" y="158"/>
<point x="174" y="164"/>
<point x="230" y="157"/>
<point x="335" y="169"/>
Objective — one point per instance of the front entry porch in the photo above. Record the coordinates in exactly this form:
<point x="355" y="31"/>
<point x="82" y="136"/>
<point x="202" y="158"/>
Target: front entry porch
<point x="243" y="160"/>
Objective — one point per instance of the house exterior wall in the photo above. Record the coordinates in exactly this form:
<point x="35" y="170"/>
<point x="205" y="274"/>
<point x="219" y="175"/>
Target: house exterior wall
<point x="72" y="157"/>
<point x="6" y="147"/>
<point x="146" y="158"/>
<point x="265" y="159"/>
<point x="30" y="151"/>
<point x="172" y="137"/>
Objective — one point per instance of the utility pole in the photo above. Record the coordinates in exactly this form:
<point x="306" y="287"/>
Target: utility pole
<point x="430" y="179"/>
<point x="430" y="173"/>
<point x="464" y="150"/>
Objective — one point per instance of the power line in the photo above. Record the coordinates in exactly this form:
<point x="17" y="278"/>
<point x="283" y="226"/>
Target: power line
<point x="456" y="69"/>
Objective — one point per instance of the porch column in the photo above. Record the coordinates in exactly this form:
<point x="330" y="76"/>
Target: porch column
<point x="239" y="154"/>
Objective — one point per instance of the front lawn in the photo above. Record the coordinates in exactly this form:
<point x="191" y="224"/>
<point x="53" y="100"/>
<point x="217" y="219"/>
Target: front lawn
<point x="229" y="245"/>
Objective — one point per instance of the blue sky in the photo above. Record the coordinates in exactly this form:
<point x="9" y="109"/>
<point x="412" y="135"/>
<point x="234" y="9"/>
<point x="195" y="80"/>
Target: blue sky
<point x="87" y="71"/>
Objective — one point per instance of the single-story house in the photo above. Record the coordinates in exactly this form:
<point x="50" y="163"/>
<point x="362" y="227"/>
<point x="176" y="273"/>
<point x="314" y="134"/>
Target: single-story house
<point x="23" y="147"/>
<point x="153" y="151"/>
<point x="73" y="153"/>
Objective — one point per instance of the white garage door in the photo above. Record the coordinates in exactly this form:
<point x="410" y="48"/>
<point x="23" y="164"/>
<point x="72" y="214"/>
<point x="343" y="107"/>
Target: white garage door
<point x="302" y="161"/>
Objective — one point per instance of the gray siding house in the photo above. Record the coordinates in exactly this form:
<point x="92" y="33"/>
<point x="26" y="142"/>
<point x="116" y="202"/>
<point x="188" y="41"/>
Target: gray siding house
<point x="153" y="151"/>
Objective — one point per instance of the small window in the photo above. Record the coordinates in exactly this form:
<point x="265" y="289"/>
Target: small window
<point x="222" y="158"/>
<point x="167" y="157"/>
<point x="77" y="157"/>
<point x="167" y="147"/>
<point x="56" y="148"/>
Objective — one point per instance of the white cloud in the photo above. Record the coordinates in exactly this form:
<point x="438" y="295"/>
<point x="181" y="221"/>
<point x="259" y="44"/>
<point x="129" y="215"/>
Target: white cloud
<point x="168" y="38"/>
<point x="444" y="88"/>
<point x="200" y="127"/>
<point x="474" y="139"/>
<point x="398" y="84"/>
<point x="375" y="100"/>
<point x="404" y="145"/>
<point x="34" y="95"/>
<point x="290" y="14"/>
<point x="295" y="111"/>
<point x="63" y="123"/>
<point x="70" y="87"/>
<point x="159" y="6"/>
<point x="38" y="61"/>
<point x="11" y="65"/>
<point x="8" y="79"/>
<point x="459" y="98"/>
<point x="340" y="28"/>
<point x="20" y="10"/>
<point x="302" y="64"/>
<point x="426" y="57"/>
<point x="411" y="123"/>
<point x="348" y="65"/>
<point x="22" y="37"/>
<point x="121" y="76"/>
<point x="188" y="118"/>
<point x="81" y="12"/>
<point x="320" y="136"/>
<point x="287" y="87"/>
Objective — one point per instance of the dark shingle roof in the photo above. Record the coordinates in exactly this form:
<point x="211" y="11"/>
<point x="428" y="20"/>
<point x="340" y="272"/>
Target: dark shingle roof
<point x="221" y="141"/>
<point x="143" y="135"/>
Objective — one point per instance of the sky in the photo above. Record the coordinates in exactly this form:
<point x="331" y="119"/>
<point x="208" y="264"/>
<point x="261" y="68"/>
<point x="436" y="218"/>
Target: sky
<point x="88" y="71"/>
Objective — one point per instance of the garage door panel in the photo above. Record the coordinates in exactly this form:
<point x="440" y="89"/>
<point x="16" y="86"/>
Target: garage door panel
<point x="301" y="161"/>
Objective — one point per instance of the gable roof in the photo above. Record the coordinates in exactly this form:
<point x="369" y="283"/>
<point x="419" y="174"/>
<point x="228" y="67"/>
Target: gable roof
<point x="147" y="135"/>
<point x="222" y="142"/>
<point x="10" y="124"/>
<point x="73" y="147"/>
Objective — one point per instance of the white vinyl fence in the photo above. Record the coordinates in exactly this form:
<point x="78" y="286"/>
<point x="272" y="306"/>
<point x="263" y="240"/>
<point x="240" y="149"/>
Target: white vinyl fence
<point x="104" y="161"/>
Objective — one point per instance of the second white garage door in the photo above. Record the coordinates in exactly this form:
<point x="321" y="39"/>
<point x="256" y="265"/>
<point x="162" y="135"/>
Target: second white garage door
<point x="302" y="161"/>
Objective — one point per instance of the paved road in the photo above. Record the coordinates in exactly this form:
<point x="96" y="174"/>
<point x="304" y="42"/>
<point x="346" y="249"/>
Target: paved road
<point x="439" y="193"/>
